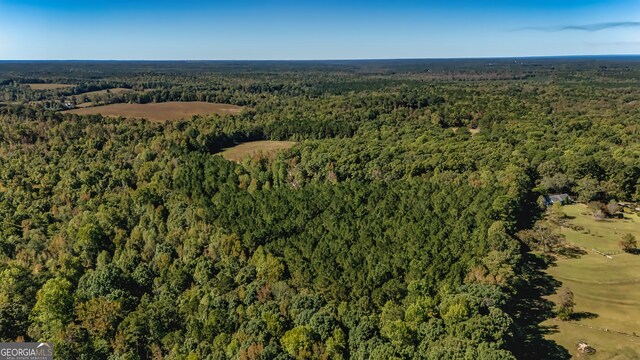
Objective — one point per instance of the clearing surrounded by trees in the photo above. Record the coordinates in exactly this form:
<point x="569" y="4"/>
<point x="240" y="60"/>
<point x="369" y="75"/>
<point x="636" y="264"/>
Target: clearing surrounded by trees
<point x="267" y="148"/>
<point x="172" y="110"/>
<point x="49" y="86"/>
<point x="606" y="290"/>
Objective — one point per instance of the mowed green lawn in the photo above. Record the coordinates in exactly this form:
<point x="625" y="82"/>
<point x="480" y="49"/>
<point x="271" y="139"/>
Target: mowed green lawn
<point x="608" y="345"/>
<point x="602" y="235"/>
<point x="266" y="148"/>
<point x="606" y="290"/>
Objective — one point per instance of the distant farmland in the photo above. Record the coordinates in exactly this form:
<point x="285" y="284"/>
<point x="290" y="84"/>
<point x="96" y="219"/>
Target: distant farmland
<point x="48" y="86"/>
<point x="267" y="148"/>
<point x="159" y="111"/>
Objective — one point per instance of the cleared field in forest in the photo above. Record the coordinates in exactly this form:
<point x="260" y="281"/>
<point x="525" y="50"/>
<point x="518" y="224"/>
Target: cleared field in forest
<point x="267" y="148"/>
<point x="472" y="131"/>
<point x="173" y="110"/>
<point x="48" y="86"/>
<point x="606" y="290"/>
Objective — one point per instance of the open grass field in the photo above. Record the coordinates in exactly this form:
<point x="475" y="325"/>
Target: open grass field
<point x="472" y="131"/>
<point x="601" y="235"/>
<point x="267" y="148"/>
<point x="608" y="345"/>
<point x="606" y="291"/>
<point x="48" y="86"/>
<point x="159" y="111"/>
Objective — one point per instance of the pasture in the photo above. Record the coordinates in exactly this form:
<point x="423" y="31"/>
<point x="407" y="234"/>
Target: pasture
<point x="265" y="148"/>
<point x="48" y="86"/>
<point x="606" y="290"/>
<point x="159" y="112"/>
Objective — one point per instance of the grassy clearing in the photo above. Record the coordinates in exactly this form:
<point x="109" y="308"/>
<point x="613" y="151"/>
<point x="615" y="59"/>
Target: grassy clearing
<point x="159" y="111"/>
<point x="472" y="131"/>
<point x="601" y="235"/>
<point x="607" y="291"/>
<point x="267" y="148"/>
<point x="608" y="345"/>
<point x="48" y="86"/>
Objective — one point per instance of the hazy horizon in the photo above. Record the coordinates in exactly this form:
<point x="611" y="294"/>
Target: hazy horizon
<point x="532" y="57"/>
<point x="330" y="30"/>
<point x="524" y="57"/>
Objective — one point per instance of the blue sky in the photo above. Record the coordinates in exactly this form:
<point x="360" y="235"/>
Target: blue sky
<point x="330" y="29"/>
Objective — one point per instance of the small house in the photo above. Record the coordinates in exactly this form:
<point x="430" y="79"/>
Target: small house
<point x="551" y="199"/>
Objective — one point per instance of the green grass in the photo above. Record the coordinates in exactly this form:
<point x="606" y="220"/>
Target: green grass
<point x="608" y="345"/>
<point x="607" y="288"/>
<point x="602" y="235"/>
<point x="266" y="148"/>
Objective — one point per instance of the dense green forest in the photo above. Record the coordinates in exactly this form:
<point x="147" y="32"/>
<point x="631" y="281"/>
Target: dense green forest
<point x="388" y="232"/>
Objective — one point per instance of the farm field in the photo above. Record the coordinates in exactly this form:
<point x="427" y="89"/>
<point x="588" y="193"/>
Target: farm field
<point x="268" y="148"/>
<point x="49" y="86"/>
<point x="158" y="111"/>
<point x="606" y="290"/>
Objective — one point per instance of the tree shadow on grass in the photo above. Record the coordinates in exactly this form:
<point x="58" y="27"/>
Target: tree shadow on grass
<point x="530" y="309"/>
<point x="577" y="316"/>
<point x="571" y="252"/>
